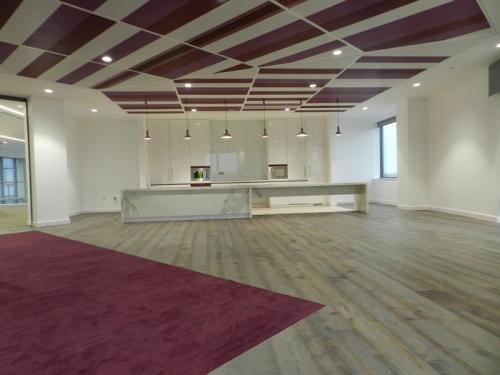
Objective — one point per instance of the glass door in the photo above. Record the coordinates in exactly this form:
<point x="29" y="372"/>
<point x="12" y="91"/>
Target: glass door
<point x="14" y="163"/>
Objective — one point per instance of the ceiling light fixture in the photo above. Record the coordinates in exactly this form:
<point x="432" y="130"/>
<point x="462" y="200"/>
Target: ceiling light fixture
<point x="187" y="136"/>
<point x="416" y="84"/>
<point x="95" y="110"/>
<point x="107" y="59"/>
<point x="337" y="52"/>
<point x="10" y="110"/>
<point x="147" y="136"/>
<point x="3" y="142"/>
<point x="12" y="138"/>
<point x="365" y="108"/>
<point x="301" y="133"/>
<point x="188" y="85"/>
<point x="193" y="109"/>
<point x="48" y="91"/>
<point x="287" y="109"/>
<point x="338" y="133"/>
<point x="313" y="85"/>
<point x="226" y="134"/>
<point x="20" y="106"/>
<point x="498" y="45"/>
<point x="264" y="133"/>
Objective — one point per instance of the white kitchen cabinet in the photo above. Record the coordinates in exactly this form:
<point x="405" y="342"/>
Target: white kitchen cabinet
<point x="159" y="152"/>
<point x="277" y="141"/>
<point x="170" y="156"/>
<point x="180" y="158"/>
<point x="200" y="142"/>
<point x="316" y="130"/>
<point x="297" y="147"/>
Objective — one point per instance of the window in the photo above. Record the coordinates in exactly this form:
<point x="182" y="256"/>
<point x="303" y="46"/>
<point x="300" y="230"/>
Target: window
<point x="12" y="181"/>
<point x="388" y="148"/>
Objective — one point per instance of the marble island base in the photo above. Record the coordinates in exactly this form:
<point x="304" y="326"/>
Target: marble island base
<point x="222" y="201"/>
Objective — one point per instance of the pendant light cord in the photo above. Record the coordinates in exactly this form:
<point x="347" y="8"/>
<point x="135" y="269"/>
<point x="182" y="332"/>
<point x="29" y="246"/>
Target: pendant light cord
<point x="225" y="112"/>
<point x="187" y="115"/>
<point x="301" y="119"/>
<point x="147" y="117"/>
<point x="338" y="115"/>
<point x="264" y="102"/>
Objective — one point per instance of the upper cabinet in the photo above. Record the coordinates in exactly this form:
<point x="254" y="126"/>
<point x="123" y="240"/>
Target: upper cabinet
<point x="297" y="151"/>
<point x="159" y="152"/>
<point x="200" y="142"/>
<point x="170" y="156"/>
<point x="277" y="142"/>
<point x="316" y="130"/>
<point x="180" y="164"/>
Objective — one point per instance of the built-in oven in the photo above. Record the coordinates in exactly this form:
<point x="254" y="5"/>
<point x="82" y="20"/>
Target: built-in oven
<point x="200" y="174"/>
<point x="278" y="171"/>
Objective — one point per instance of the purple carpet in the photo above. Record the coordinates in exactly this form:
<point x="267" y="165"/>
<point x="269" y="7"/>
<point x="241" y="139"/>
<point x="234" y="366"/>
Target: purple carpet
<point x="71" y="308"/>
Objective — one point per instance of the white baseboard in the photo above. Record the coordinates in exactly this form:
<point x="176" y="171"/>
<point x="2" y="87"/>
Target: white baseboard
<point x="100" y="210"/>
<point x="46" y="223"/>
<point x="473" y="215"/>
<point x="381" y="201"/>
<point x="76" y="212"/>
<point x="412" y="208"/>
<point x="452" y="211"/>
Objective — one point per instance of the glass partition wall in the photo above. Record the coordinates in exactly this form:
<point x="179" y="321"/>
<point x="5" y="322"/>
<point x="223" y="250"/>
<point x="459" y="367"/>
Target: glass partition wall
<point x="14" y="157"/>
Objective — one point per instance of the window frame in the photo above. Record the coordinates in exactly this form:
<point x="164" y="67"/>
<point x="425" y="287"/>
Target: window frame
<point x="380" y="126"/>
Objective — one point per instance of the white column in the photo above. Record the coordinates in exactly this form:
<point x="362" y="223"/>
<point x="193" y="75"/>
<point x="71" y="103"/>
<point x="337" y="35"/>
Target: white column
<point x="412" y="119"/>
<point x="49" y="170"/>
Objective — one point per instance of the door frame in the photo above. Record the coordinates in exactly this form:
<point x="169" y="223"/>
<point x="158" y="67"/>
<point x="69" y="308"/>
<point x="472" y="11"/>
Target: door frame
<point x="27" y="152"/>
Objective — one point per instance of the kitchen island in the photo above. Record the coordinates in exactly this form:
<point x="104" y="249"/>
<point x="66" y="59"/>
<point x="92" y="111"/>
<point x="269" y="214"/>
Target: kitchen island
<point x="224" y="200"/>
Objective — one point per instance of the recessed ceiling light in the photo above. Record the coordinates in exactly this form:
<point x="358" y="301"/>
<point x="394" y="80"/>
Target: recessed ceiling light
<point x="337" y="52"/>
<point x="313" y="85"/>
<point x="498" y="45"/>
<point x="365" y="108"/>
<point x="19" y="106"/>
<point x="94" y="110"/>
<point x="48" y="91"/>
<point x="416" y="84"/>
<point x="106" y="59"/>
<point x="3" y="142"/>
<point x="287" y="109"/>
<point x="188" y="85"/>
<point x="193" y="109"/>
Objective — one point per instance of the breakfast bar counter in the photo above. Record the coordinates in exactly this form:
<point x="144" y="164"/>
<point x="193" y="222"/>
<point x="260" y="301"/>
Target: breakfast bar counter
<point x="223" y="200"/>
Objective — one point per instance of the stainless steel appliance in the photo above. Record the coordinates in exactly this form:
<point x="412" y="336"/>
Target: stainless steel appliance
<point x="200" y="173"/>
<point x="278" y="171"/>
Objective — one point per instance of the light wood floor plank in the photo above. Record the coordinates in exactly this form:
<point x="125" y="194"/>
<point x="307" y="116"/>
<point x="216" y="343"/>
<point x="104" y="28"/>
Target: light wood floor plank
<point x="405" y="292"/>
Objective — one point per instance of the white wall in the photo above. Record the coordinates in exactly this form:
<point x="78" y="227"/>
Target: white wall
<point x="355" y="157"/>
<point x="384" y="190"/>
<point x="355" y="152"/>
<point x="49" y="163"/>
<point x="412" y="123"/>
<point x="73" y="152"/>
<point x="461" y="149"/>
<point x="109" y="152"/>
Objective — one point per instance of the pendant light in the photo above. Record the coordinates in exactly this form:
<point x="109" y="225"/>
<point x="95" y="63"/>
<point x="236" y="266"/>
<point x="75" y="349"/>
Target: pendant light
<point x="264" y="133"/>
<point x="147" y="137"/>
<point x="338" y="133"/>
<point x="187" y="136"/>
<point x="226" y="134"/>
<point x="301" y="133"/>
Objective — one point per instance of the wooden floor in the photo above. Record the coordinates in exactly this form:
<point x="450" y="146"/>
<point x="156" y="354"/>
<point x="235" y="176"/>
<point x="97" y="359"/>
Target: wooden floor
<point x="406" y="292"/>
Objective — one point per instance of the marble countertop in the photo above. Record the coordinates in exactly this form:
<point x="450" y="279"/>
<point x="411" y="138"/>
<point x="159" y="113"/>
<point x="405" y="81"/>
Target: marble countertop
<point x="242" y="185"/>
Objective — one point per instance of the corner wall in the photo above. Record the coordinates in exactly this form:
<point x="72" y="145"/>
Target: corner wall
<point x="461" y="149"/>
<point x="109" y="152"/>
<point x="49" y="169"/>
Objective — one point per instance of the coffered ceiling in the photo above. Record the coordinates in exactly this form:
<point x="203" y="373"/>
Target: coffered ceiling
<point x="236" y="54"/>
